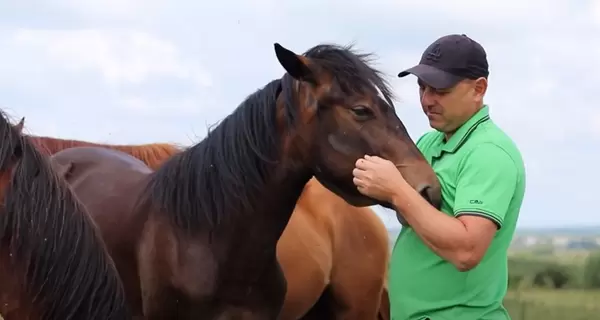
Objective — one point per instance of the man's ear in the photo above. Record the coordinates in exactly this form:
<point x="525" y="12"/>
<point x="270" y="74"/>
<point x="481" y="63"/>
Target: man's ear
<point x="479" y="88"/>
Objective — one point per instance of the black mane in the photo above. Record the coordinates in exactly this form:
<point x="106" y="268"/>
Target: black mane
<point x="68" y="273"/>
<point x="217" y="178"/>
<point x="350" y="69"/>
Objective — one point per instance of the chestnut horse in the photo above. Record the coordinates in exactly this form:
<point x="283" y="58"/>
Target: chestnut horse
<point x="198" y="236"/>
<point x="53" y="262"/>
<point x="345" y="256"/>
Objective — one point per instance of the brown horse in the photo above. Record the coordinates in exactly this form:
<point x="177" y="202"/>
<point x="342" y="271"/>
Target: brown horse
<point x="153" y="154"/>
<point x="198" y="237"/>
<point x="334" y="257"/>
<point x="322" y="269"/>
<point x="53" y="262"/>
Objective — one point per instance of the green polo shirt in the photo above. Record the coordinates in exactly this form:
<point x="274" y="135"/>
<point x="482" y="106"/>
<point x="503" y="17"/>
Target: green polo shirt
<point x="481" y="172"/>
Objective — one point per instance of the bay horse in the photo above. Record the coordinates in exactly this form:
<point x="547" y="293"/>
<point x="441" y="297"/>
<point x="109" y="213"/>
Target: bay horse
<point x="53" y="262"/>
<point x="341" y="266"/>
<point x="197" y="237"/>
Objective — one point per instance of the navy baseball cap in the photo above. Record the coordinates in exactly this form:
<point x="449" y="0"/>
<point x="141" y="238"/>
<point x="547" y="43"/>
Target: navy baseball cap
<point x="449" y="60"/>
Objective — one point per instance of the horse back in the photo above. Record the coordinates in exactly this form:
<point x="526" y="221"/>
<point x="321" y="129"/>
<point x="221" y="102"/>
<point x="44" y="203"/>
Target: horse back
<point x="108" y="183"/>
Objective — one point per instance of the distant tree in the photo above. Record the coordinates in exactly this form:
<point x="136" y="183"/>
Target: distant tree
<point x="514" y="280"/>
<point x="591" y="271"/>
<point x="553" y="276"/>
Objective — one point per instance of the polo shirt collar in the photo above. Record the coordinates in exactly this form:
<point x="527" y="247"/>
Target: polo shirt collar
<point x="459" y="137"/>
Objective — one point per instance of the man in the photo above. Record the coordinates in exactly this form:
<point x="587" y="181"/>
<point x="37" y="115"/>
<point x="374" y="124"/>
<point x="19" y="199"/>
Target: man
<point x="452" y="263"/>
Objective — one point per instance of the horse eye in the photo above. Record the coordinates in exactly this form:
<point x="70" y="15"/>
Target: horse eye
<point x="362" y="112"/>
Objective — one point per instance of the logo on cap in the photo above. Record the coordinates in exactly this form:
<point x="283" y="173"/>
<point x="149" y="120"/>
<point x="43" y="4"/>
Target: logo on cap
<point x="435" y="54"/>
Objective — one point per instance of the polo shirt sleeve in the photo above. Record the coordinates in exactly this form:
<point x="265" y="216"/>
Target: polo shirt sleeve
<point x="486" y="183"/>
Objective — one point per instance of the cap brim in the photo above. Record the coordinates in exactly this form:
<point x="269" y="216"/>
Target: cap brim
<point x="432" y="76"/>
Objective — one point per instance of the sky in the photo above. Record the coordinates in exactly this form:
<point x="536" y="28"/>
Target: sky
<point x="133" y="71"/>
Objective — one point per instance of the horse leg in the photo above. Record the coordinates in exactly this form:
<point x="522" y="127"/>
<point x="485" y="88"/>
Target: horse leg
<point x="323" y="308"/>
<point x="305" y="251"/>
<point x="306" y="276"/>
<point x="355" y="295"/>
<point x="258" y="301"/>
<point x="302" y="296"/>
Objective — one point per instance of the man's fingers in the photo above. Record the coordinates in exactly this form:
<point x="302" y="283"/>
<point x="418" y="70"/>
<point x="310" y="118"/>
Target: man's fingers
<point x="359" y="173"/>
<point x="362" y="163"/>
<point x="358" y="182"/>
<point x="377" y="159"/>
<point x="360" y="187"/>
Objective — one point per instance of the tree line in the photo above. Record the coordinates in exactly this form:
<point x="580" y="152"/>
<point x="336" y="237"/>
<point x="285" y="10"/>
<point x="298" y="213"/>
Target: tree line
<point x="534" y="272"/>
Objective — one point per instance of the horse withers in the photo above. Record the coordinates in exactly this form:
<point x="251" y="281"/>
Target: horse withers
<point x="197" y="238"/>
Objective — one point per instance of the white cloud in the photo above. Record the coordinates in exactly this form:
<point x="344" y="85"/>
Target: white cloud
<point x="595" y="12"/>
<point x="143" y="71"/>
<point x="190" y="106"/>
<point x="146" y="9"/>
<point x="120" y="56"/>
<point x="595" y="124"/>
<point x="485" y="12"/>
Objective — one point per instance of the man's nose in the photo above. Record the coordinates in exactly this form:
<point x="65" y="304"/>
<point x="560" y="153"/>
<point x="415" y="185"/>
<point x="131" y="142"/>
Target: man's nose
<point x="427" y="99"/>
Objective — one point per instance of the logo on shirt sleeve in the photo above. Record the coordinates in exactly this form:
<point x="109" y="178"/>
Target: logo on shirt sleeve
<point x="476" y="202"/>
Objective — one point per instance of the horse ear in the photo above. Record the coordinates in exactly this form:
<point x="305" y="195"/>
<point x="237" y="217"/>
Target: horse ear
<point x="18" y="151"/>
<point x="294" y="64"/>
<point x="19" y="126"/>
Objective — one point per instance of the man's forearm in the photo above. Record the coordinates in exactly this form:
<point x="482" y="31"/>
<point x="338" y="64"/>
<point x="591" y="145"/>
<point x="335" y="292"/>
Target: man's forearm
<point x="445" y="235"/>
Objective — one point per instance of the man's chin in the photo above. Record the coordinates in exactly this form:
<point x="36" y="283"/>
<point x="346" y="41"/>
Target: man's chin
<point x="438" y="126"/>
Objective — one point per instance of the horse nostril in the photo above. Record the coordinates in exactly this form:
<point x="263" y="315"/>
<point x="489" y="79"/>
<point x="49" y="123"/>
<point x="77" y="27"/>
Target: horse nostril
<point x="425" y="194"/>
<point x="429" y="194"/>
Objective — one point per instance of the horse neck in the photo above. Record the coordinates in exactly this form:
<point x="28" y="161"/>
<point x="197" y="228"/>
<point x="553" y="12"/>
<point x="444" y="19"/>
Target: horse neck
<point x="240" y="178"/>
<point x="279" y="197"/>
<point x="274" y="198"/>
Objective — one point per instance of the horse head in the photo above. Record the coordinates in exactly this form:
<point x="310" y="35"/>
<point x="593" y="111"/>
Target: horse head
<point x="345" y="111"/>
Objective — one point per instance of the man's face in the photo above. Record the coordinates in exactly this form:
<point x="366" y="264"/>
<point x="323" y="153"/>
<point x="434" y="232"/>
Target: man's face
<point x="447" y="109"/>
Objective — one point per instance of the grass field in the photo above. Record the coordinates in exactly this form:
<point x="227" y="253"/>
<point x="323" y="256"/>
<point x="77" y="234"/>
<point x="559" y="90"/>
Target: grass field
<point x="551" y="305"/>
<point x="536" y="304"/>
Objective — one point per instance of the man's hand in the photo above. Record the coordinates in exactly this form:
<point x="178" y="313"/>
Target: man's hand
<point x="378" y="178"/>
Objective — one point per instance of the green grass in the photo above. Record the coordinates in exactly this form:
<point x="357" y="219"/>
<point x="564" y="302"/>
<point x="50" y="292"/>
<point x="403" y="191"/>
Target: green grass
<point x="538" y="304"/>
<point x="535" y="304"/>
